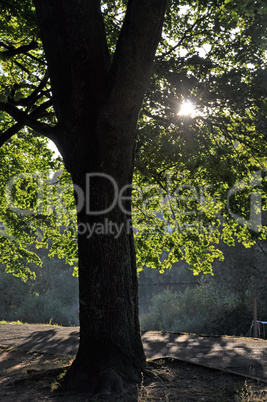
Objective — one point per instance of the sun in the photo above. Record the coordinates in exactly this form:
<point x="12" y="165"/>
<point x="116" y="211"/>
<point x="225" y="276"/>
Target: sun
<point x="187" y="109"/>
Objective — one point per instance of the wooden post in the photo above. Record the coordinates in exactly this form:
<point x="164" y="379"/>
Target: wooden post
<point x="255" y="324"/>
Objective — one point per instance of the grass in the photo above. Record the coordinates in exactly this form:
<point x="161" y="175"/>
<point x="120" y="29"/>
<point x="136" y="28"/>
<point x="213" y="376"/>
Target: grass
<point x="247" y="394"/>
<point x="56" y="383"/>
<point x="12" y="322"/>
<point x="26" y="323"/>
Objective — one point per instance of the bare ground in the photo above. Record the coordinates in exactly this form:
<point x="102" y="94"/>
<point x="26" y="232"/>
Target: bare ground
<point x="28" y="376"/>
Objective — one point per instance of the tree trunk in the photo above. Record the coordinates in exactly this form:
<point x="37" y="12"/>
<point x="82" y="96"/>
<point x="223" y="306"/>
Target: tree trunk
<point x="110" y="350"/>
<point x="97" y="104"/>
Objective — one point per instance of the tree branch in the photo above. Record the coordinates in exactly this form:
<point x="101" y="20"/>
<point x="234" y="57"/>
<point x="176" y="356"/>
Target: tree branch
<point x="39" y="111"/>
<point x="132" y="64"/>
<point x="74" y="58"/>
<point x="12" y="51"/>
<point x="33" y="97"/>
<point x="190" y="29"/>
<point x="24" y="119"/>
<point x="4" y="137"/>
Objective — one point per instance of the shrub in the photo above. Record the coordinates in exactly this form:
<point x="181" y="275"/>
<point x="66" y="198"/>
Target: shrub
<point x="204" y="309"/>
<point x="51" y="298"/>
<point x="46" y="309"/>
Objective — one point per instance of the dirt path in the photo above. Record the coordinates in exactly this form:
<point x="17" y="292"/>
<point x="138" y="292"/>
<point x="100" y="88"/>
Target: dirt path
<point x="242" y="355"/>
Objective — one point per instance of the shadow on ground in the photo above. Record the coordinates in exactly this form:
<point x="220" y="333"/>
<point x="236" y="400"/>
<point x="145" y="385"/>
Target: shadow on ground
<point x="243" y="355"/>
<point x="247" y="356"/>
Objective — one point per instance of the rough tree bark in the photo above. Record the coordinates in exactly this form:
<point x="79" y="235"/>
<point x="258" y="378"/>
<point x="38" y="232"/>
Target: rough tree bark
<point x="97" y="104"/>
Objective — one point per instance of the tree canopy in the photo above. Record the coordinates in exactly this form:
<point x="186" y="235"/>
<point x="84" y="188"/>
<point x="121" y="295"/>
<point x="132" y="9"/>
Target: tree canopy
<point x="211" y="54"/>
<point x="205" y="160"/>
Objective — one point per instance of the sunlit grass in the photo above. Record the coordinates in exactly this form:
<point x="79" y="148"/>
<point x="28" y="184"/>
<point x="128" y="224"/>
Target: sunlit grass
<point x="12" y="322"/>
<point x="247" y="394"/>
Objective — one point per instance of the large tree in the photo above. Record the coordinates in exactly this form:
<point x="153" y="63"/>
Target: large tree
<point x="97" y="100"/>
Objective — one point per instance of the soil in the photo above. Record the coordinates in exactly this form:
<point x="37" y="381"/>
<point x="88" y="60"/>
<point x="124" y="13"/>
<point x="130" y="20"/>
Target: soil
<point x="28" y="376"/>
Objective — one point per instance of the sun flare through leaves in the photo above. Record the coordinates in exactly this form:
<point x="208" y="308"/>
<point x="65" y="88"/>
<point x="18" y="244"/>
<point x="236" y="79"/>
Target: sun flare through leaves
<point x="187" y="108"/>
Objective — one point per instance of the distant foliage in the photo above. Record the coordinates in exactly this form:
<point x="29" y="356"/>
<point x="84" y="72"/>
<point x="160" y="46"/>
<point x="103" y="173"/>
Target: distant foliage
<point x="201" y="310"/>
<point x="221" y="304"/>
<point x="47" y="309"/>
<point x="52" y="297"/>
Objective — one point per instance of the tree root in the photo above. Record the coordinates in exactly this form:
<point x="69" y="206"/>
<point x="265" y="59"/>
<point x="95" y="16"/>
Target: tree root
<point x="109" y="382"/>
<point x="106" y="382"/>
